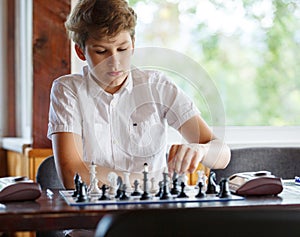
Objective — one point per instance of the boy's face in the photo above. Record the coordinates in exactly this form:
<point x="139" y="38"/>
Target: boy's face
<point x="109" y="59"/>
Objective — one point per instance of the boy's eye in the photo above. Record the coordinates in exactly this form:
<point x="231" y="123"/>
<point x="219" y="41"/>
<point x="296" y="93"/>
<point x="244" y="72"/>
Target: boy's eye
<point x="122" y="49"/>
<point x="100" y="52"/>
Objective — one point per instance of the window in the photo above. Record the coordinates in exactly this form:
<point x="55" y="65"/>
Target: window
<point x="250" y="49"/>
<point x="248" y="52"/>
<point x="21" y="103"/>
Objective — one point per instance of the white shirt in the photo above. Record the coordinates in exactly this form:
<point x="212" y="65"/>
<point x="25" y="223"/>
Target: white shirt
<point x="121" y="131"/>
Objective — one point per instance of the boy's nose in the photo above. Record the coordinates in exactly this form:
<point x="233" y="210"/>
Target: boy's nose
<point x="113" y="60"/>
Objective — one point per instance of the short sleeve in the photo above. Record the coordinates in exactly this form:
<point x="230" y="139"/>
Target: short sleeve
<point x="178" y="106"/>
<point x="64" y="111"/>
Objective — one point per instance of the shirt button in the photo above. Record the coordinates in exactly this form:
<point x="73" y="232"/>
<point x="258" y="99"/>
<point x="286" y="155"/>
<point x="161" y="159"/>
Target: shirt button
<point x="113" y="103"/>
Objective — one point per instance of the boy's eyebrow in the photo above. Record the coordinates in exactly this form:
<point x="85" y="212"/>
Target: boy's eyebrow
<point x="122" y="43"/>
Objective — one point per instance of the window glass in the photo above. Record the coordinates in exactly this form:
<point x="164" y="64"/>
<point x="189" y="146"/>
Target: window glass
<point x="249" y="49"/>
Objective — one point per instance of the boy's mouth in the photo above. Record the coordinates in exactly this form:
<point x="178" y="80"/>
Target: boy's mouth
<point x="115" y="73"/>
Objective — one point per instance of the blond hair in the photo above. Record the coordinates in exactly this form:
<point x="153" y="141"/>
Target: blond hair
<point x="100" y="19"/>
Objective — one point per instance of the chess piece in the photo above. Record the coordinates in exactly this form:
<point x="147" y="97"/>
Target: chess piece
<point x="153" y="188"/>
<point x="182" y="194"/>
<point x="93" y="187"/>
<point x="82" y="195"/>
<point x="112" y="178"/>
<point x="174" y="190"/>
<point x="224" y="189"/>
<point x="123" y="195"/>
<point x="145" y="195"/>
<point x="200" y="194"/>
<point x="211" y="186"/>
<point x="104" y="196"/>
<point x="127" y="181"/>
<point x="136" y="191"/>
<point x="166" y="192"/>
<point x="202" y="178"/>
<point x="120" y="184"/>
<point x="184" y="178"/>
<point x="77" y="180"/>
<point x="160" y="191"/>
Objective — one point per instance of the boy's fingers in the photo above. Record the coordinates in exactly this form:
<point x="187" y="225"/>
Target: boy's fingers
<point x="172" y="153"/>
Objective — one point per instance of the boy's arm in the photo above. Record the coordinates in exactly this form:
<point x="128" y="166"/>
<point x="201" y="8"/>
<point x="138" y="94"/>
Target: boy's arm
<point x="203" y="147"/>
<point x="67" y="148"/>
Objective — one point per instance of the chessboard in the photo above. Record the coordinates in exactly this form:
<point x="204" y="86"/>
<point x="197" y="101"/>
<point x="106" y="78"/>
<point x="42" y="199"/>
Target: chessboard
<point x="121" y="192"/>
<point x="94" y="199"/>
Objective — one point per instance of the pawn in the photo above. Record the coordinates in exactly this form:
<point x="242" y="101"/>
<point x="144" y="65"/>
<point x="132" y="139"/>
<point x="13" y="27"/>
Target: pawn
<point x="104" y="196"/>
<point x="136" y="191"/>
<point x="82" y="195"/>
<point x="174" y="189"/>
<point x="166" y="193"/>
<point x="153" y="188"/>
<point x="224" y="189"/>
<point x="182" y="194"/>
<point x="211" y="186"/>
<point x="201" y="194"/>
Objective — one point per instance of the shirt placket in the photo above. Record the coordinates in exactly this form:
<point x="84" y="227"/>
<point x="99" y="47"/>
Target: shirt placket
<point x="112" y="125"/>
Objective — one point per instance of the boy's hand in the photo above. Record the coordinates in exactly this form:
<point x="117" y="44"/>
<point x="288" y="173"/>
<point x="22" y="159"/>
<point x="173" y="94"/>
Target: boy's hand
<point x="185" y="157"/>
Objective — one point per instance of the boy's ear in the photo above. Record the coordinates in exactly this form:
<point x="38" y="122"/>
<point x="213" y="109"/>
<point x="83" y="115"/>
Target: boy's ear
<point x="133" y="41"/>
<point x="79" y="52"/>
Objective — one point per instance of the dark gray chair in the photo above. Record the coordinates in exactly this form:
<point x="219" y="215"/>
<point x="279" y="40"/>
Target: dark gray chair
<point x="47" y="175"/>
<point x="218" y="222"/>
<point x="283" y="162"/>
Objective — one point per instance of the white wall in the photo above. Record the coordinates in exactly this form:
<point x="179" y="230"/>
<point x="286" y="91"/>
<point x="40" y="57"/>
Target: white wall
<point x="24" y="75"/>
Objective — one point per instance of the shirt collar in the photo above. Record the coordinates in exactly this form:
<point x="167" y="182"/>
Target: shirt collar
<point x="94" y="89"/>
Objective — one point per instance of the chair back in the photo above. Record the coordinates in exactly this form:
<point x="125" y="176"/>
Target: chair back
<point x="284" y="162"/>
<point x="47" y="175"/>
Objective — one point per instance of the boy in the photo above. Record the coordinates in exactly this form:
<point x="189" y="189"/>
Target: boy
<point x="116" y="115"/>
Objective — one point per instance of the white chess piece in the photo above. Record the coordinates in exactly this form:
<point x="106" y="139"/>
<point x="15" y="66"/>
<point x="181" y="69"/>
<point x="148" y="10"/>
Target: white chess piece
<point x="183" y="178"/>
<point x="202" y="178"/>
<point x="154" y="187"/>
<point x="93" y="187"/>
<point x="127" y="181"/>
<point x="112" y="178"/>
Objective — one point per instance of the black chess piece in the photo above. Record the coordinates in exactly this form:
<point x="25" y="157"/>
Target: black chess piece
<point x="174" y="190"/>
<point x="166" y="192"/>
<point x="77" y="180"/>
<point x="123" y="195"/>
<point x="119" y="190"/>
<point x="104" y="196"/>
<point x="200" y="194"/>
<point x="146" y="195"/>
<point x="82" y="194"/>
<point x="211" y="185"/>
<point x="161" y="185"/>
<point x="224" y="189"/>
<point x="136" y="191"/>
<point x="182" y="194"/>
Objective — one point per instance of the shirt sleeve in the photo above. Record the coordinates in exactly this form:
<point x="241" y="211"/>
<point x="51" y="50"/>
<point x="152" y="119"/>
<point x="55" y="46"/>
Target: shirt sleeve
<point x="64" y="111"/>
<point x="178" y="106"/>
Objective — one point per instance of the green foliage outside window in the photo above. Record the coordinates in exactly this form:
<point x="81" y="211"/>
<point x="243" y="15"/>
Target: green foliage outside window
<point x="249" y="48"/>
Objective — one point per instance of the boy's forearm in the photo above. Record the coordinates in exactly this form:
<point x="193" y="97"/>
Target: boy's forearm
<point x="217" y="155"/>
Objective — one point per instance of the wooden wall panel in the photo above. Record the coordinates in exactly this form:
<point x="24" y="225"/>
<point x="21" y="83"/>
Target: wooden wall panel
<point x="11" y="73"/>
<point x="51" y="59"/>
